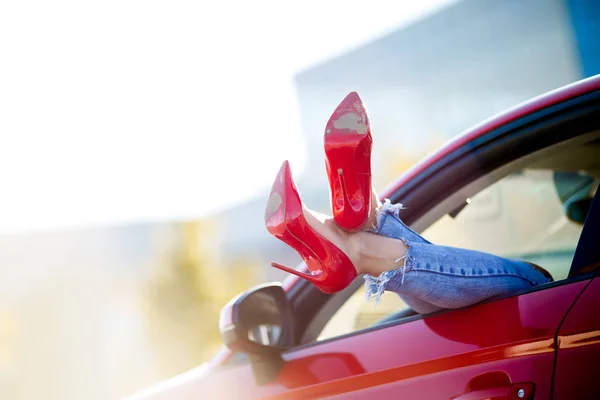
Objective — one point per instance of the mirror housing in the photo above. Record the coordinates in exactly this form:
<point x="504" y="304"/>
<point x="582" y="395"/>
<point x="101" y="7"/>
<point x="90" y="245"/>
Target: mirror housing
<point x="260" y="323"/>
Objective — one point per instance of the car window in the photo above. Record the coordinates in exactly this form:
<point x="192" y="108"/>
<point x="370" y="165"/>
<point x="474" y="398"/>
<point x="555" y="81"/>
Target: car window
<point x="522" y="216"/>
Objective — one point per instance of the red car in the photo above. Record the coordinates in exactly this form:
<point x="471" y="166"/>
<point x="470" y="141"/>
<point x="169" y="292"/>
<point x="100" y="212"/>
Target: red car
<point x="521" y="184"/>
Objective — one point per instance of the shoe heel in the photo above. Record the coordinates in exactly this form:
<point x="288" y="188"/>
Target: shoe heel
<point x="314" y="279"/>
<point x="345" y="198"/>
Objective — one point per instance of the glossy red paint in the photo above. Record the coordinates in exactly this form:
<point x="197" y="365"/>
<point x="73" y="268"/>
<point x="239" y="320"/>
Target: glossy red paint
<point x="577" y="370"/>
<point x="453" y="346"/>
<point x="443" y="356"/>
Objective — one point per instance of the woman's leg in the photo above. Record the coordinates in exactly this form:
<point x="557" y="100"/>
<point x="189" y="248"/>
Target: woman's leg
<point x="427" y="277"/>
<point x="430" y="277"/>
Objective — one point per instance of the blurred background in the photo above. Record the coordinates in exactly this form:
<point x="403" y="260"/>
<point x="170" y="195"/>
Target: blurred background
<point x="139" y="139"/>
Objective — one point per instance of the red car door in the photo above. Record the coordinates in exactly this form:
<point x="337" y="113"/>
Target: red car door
<point x="577" y="370"/>
<point x="577" y="373"/>
<point x="495" y="350"/>
<point x="485" y="351"/>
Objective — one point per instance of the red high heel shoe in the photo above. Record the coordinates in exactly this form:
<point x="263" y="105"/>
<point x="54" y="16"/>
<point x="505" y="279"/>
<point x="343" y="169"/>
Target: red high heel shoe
<point x="330" y="269"/>
<point x="348" y="144"/>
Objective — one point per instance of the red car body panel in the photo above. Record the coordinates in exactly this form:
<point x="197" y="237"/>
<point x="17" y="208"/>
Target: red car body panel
<point x="453" y="344"/>
<point x="578" y="342"/>
<point x="449" y="355"/>
<point x="457" y="351"/>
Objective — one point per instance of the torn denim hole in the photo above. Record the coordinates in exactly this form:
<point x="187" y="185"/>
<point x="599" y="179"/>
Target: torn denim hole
<point x="386" y="208"/>
<point x="375" y="286"/>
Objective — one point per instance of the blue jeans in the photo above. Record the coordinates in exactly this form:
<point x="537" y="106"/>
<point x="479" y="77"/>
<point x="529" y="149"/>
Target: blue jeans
<point x="433" y="277"/>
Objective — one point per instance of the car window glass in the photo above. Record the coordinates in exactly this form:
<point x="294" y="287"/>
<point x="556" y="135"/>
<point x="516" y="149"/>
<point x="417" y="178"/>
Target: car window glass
<point x="522" y="216"/>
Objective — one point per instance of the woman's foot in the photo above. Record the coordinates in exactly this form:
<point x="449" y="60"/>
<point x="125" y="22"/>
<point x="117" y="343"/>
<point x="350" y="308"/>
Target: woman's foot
<point x="370" y="253"/>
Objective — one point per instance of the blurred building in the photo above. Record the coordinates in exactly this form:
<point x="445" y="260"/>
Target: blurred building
<point x="429" y="81"/>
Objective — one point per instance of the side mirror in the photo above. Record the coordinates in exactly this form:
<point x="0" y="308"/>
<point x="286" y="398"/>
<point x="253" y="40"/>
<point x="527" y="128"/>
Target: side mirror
<point x="260" y="323"/>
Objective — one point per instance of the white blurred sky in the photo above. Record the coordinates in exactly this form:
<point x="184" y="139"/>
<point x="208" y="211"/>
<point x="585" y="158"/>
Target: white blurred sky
<point x="123" y="111"/>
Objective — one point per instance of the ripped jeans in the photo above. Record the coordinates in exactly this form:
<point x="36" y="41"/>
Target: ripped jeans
<point x="434" y="277"/>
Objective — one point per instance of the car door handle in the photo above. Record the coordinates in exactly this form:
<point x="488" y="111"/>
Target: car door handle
<point x="516" y="391"/>
<point x="502" y="393"/>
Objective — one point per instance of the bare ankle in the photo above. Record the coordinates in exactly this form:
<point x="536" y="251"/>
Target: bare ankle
<point x="375" y="254"/>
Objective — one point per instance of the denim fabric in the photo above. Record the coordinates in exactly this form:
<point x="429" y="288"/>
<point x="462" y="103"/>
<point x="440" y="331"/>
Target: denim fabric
<point x="432" y="277"/>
